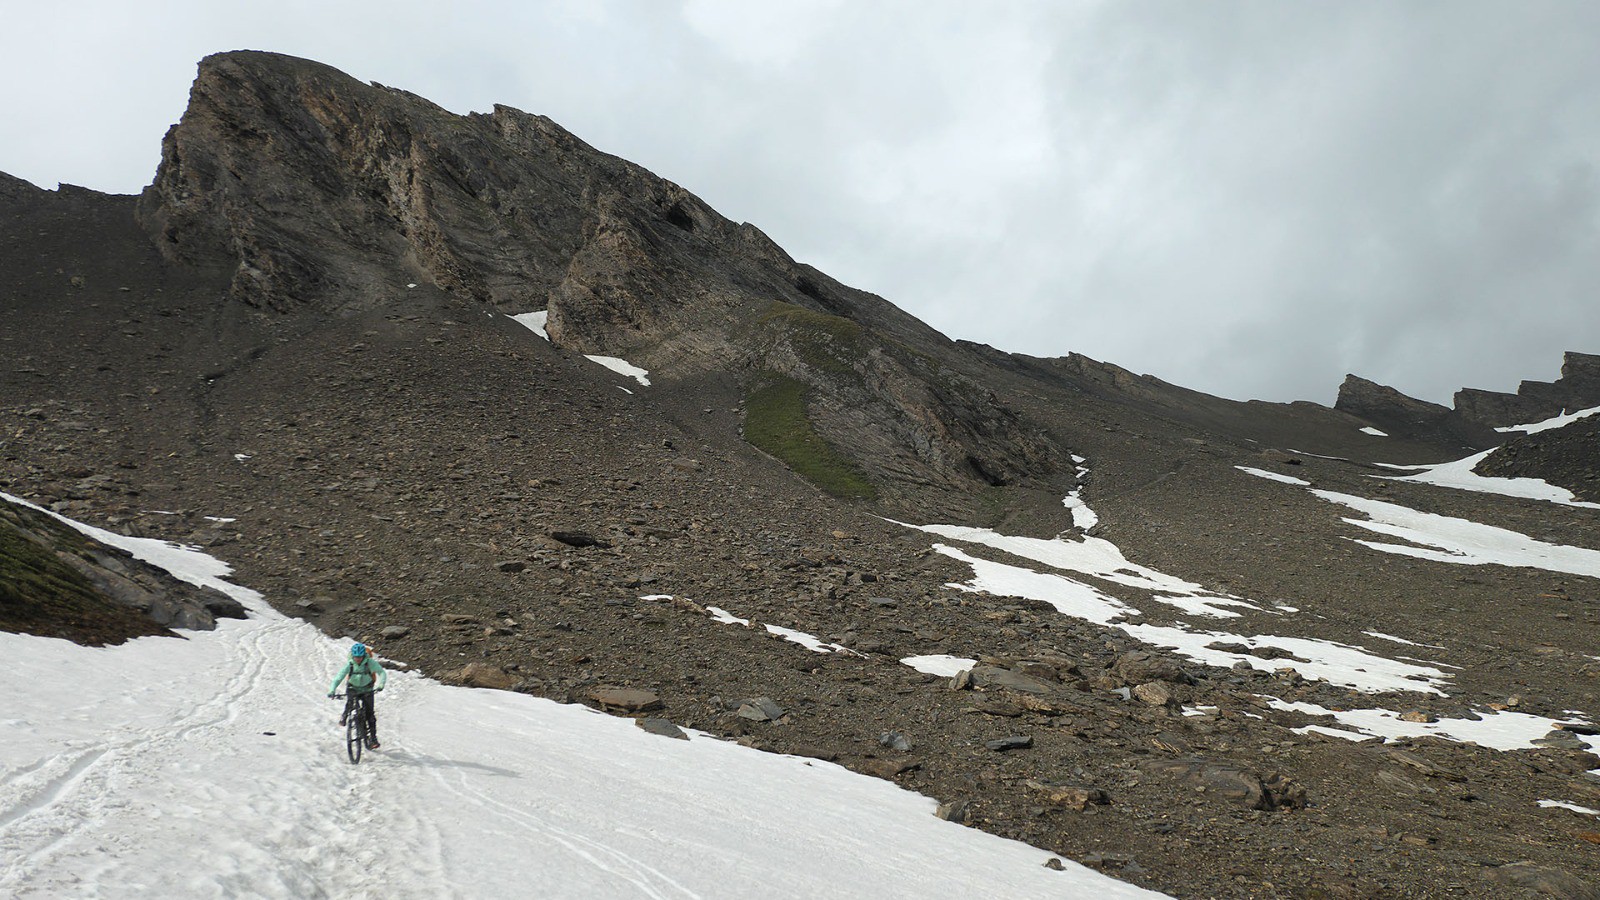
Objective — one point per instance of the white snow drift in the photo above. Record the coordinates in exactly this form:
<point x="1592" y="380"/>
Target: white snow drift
<point x="212" y="766"/>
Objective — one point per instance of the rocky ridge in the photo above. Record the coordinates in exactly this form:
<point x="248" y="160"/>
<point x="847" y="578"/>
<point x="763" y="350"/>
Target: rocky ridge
<point x="1568" y="457"/>
<point x="1397" y="414"/>
<point x="1535" y="401"/>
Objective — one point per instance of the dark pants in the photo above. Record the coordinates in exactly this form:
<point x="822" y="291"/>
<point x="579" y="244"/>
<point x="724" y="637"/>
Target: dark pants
<point x="361" y="704"/>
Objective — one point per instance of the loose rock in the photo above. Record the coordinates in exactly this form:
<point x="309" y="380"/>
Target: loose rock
<point x="624" y="699"/>
<point x="662" y="727"/>
<point x="761" y="709"/>
<point x="894" y="740"/>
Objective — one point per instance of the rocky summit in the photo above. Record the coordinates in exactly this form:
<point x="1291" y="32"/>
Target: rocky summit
<point x="524" y="416"/>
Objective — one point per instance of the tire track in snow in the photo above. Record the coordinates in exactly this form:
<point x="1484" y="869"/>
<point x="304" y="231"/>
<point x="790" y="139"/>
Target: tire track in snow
<point x="53" y="787"/>
<point x="339" y="830"/>
<point x="36" y="830"/>
<point x="641" y="875"/>
<point x="646" y="879"/>
<point x="350" y="828"/>
<point x="57" y="815"/>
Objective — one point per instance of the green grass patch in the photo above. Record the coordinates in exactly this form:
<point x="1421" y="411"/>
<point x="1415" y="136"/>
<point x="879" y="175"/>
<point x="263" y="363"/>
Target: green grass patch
<point x="832" y="344"/>
<point x="776" y="421"/>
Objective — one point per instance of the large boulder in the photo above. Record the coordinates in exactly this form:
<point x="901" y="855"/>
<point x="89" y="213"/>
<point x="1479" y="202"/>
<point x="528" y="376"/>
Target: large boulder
<point x="485" y="675"/>
<point x="1231" y="782"/>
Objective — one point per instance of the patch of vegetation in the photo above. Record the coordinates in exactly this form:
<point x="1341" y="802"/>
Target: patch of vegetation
<point x="776" y="422"/>
<point x="40" y="594"/>
<point x="832" y="344"/>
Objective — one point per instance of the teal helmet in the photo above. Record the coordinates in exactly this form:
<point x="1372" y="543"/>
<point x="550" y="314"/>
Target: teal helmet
<point x="358" y="650"/>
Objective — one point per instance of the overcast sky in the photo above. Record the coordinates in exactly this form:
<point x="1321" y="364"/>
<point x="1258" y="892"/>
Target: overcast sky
<point x="1250" y="199"/>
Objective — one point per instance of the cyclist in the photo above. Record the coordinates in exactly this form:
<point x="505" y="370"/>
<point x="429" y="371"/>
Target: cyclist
<point x="367" y="677"/>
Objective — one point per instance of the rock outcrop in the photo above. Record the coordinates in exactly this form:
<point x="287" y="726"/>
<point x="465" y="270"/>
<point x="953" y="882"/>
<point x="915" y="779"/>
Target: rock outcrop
<point x="58" y="583"/>
<point x="1568" y="457"/>
<point x="1577" y="388"/>
<point x="1401" y="416"/>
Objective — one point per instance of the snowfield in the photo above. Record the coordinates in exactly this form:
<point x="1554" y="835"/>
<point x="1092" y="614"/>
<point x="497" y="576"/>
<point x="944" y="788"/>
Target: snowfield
<point x="213" y="766"/>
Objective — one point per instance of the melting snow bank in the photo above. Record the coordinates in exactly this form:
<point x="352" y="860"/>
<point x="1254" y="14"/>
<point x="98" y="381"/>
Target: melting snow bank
<point x="1087" y="556"/>
<point x="1557" y="804"/>
<point x="1497" y="730"/>
<point x="1451" y="540"/>
<point x="228" y="743"/>
<point x="941" y="665"/>
<point x="1560" y="421"/>
<point x="622" y="367"/>
<point x="1273" y="476"/>
<point x="1462" y="541"/>
<point x="535" y="322"/>
<point x="1335" y="663"/>
<point x="1459" y="475"/>
<point x="1083" y="518"/>
<point x="1339" y="664"/>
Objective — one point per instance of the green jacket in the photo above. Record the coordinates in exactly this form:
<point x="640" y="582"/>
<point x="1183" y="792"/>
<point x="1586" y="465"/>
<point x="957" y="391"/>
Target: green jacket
<point x="361" y="675"/>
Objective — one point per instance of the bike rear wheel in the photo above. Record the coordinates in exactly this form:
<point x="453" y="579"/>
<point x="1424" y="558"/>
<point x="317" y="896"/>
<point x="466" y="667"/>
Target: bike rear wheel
<point x="355" y="734"/>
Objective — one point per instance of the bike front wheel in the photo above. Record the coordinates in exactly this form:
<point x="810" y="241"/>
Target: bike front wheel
<point x="355" y="735"/>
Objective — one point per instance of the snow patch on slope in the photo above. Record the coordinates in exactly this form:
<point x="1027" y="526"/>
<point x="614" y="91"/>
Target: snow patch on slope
<point x="1495" y="729"/>
<point x="536" y="321"/>
<point x="1452" y="540"/>
<point x="1459" y="475"/>
<point x="226" y="743"/>
<point x="1560" y="421"/>
<point x="1461" y="541"/>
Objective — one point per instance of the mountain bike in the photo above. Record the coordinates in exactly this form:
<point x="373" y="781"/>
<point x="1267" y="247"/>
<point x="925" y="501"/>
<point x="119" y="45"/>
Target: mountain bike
<point x="355" y="727"/>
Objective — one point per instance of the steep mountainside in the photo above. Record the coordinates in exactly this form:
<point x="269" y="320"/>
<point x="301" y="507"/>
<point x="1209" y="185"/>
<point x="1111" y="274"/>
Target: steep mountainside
<point x="296" y="350"/>
<point x="325" y="192"/>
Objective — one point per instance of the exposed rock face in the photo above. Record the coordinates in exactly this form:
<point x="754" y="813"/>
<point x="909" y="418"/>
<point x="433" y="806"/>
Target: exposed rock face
<point x="58" y="583"/>
<point x="1403" y="416"/>
<point x="1577" y="388"/>
<point x="329" y="193"/>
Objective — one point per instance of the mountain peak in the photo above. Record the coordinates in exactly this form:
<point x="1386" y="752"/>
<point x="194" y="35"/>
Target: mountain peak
<point x="312" y="190"/>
